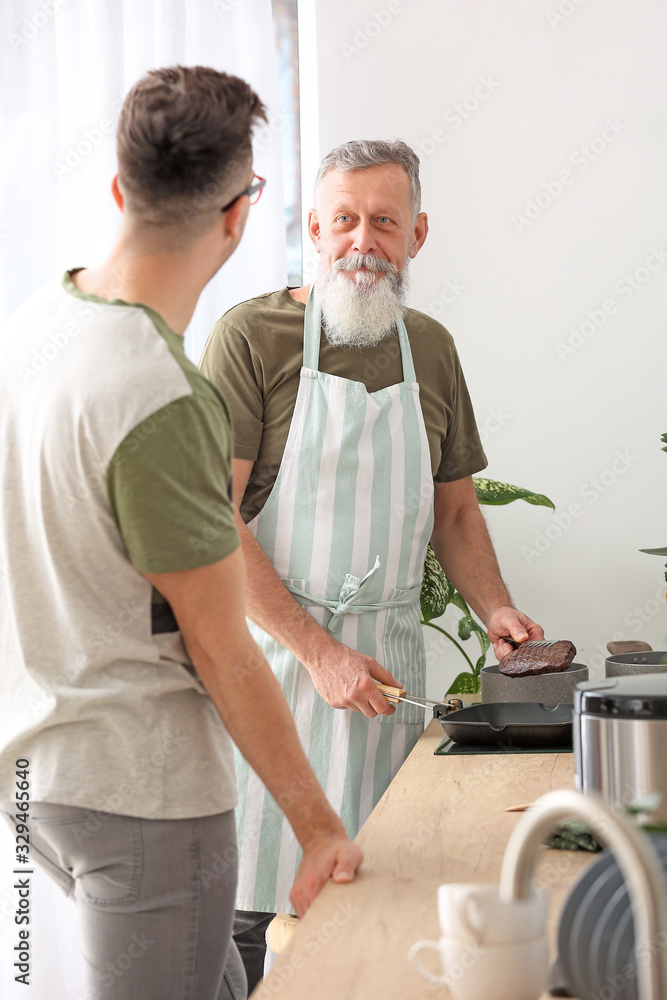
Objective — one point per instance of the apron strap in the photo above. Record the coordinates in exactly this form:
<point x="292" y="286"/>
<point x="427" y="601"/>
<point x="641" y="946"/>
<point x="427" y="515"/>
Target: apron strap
<point x="312" y="326"/>
<point x="351" y="593"/>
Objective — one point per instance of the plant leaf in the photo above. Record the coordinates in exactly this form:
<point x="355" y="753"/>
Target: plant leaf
<point x="459" y="603"/>
<point x="644" y="804"/>
<point x="437" y="591"/>
<point x="655" y="552"/>
<point x="484" y="641"/>
<point x="465" y="683"/>
<point x="482" y="660"/>
<point x="490" y="491"/>
<point x="467" y="626"/>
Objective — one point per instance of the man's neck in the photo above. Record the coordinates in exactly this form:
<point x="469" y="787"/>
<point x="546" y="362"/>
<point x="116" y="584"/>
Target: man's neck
<point x="170" y="284"/>
<point x="300" y="294"/>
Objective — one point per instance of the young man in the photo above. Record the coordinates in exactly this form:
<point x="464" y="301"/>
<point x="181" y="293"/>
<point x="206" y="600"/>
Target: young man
<point x="355" y="444"/>
<point x="127" y="663"/>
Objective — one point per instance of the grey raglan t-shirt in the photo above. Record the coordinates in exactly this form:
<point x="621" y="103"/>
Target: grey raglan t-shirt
<point x="116" y="460"/>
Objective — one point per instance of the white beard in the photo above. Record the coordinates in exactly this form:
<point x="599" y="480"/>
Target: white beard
<point x="360" y="311"/>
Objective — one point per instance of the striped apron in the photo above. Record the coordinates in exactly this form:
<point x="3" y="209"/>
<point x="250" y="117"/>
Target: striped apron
<point x="346" y="527"/>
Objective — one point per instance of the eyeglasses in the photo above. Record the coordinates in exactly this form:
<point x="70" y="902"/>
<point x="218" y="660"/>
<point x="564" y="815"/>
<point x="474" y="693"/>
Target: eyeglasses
<point x="254" y="192"/>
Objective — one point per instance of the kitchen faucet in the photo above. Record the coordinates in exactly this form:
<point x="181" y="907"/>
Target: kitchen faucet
<point x="636" y="859"/>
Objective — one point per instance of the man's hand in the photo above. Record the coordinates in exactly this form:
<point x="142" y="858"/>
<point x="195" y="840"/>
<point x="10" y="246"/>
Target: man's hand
<point x="508" y="621"/>
<point x="342" y="676"/>
<point x="333" y="857"/>
<point x="208" y="603"/>
<point x="346" y="679"/>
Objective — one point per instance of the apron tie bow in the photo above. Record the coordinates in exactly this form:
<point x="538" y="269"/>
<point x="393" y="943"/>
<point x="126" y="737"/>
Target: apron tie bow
<point x="351" y="593"/>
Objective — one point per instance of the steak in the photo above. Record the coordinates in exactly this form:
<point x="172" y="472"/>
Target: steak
<point x="538" y="658"/>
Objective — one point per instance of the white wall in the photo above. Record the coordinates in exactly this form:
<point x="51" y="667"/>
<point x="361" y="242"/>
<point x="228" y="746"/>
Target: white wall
<point x="499" y="99"/>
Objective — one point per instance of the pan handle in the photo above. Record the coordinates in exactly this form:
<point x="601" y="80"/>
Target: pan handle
<point x="452" y="705"/>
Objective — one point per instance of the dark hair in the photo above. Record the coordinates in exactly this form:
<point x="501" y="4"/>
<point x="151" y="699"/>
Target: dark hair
<point x="184" y="138"/>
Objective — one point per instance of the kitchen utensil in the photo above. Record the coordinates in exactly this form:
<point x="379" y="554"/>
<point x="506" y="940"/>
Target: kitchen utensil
<point x="546" y="689"/>
<point x="628" y="646"/>
<point x="507" y="724"/>
<point x="620" y="739"/>
<point x="394" y="695"/>
<point x="635" y="662"/>
<point x="534" y="643"/>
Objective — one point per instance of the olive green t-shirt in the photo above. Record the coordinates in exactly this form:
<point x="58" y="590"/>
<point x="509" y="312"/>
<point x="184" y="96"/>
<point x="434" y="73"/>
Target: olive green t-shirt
<point x="254" y="355"/>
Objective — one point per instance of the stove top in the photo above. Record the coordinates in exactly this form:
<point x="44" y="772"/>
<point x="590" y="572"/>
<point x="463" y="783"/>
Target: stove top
<point x="448" y="746"/>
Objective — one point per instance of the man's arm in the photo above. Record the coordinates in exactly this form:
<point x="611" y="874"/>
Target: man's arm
<point x="464" y="549"/>
<point x="342" y="676"/>
<point x="208" y="603"/>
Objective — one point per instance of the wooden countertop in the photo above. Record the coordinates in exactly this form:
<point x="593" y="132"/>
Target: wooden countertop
<point x="442" y="819"/>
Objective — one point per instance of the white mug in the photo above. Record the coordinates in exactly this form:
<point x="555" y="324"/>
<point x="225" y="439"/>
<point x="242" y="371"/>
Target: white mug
<point x="475" y="912"/>
<point x="472" y="971"/>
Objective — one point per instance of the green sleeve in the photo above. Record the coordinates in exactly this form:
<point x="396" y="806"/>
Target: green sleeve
<point x="462" y="451"/>
<point x="168" y="487"/>
<point x="227" y="362"/>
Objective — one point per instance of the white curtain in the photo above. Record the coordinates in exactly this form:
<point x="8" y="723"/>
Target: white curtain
<point x="65" y="66"/>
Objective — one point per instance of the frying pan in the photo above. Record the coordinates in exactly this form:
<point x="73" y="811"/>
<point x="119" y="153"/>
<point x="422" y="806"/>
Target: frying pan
<point x="507" y="724"/>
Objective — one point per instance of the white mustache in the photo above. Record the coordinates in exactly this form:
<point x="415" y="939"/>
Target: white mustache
<point x="367" y="260"/>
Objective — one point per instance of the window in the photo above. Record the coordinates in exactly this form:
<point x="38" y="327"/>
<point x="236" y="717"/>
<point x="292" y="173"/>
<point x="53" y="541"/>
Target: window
<point x="287" y="54"/>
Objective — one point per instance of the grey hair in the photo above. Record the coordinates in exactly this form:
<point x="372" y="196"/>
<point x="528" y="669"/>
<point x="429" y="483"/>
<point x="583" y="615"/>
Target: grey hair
<point x="360" y="154"/>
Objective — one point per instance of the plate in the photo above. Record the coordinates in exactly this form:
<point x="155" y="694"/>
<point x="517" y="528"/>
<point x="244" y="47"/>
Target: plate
<point x="621" y="952"/>
<point x="585" y="920"/>
<point x="572" y="904"/>
<point x="596" y="930"/>
<point x="622" y="941"/>
<point x="602" y="936"/>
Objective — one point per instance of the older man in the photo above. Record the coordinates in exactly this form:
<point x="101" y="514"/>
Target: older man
<point x="355" y="444"/>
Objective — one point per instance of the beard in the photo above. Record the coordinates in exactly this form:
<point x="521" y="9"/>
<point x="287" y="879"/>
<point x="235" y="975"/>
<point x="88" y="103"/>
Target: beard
<point x="358" y="308"/>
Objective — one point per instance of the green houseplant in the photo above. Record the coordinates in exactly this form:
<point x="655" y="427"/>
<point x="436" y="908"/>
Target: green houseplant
<point x="438" y="592"/>
<point x="663" y="551"/>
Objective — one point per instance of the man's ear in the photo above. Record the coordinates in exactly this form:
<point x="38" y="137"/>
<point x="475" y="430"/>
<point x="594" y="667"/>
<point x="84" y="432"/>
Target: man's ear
<point x="235" y="219"/>
<point x="314" y="228"/>
<point x="116" y="192"/>
<point x="420" y="233"/>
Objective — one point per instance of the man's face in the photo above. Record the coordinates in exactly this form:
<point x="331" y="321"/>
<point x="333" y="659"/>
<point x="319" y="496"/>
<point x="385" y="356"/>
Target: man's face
<point x="367" y="212"/>
<point x="365" y="233"/>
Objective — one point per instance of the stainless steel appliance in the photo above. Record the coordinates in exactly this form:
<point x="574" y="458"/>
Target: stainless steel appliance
<point x="620" y="739"/>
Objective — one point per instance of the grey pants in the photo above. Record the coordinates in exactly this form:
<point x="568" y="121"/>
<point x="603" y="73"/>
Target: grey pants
<point x="155" y="900"/>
